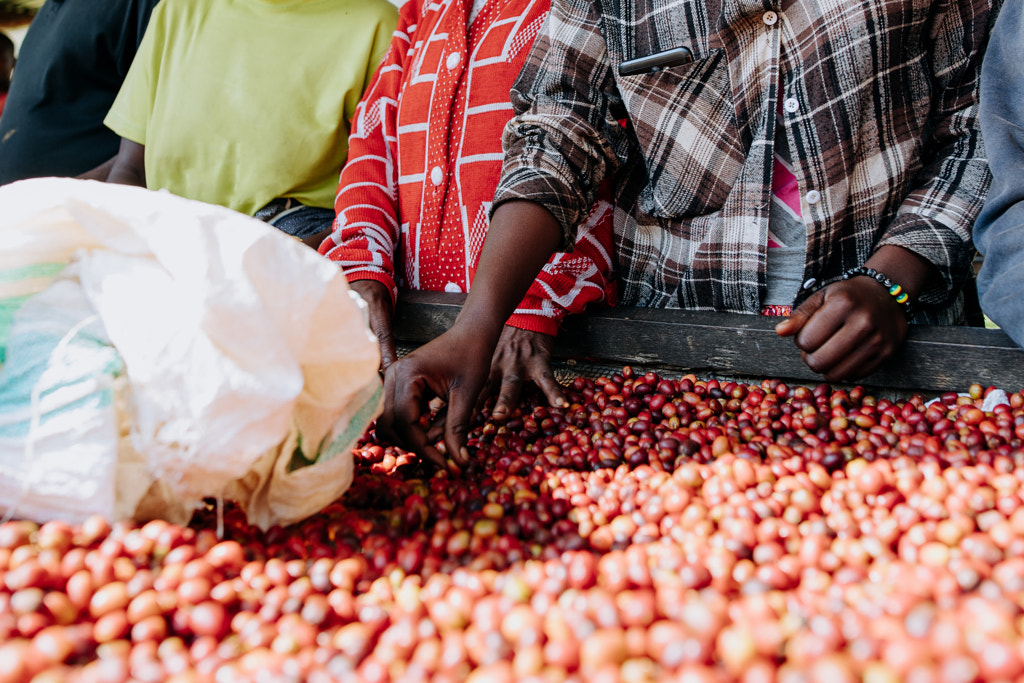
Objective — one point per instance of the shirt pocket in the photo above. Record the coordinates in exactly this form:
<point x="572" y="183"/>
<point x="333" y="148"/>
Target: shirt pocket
<point x="685" y="124"/>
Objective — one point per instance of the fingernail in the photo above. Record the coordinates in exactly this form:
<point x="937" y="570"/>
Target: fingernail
<point x="560" y="402"/>
<point x="464" y="452"/>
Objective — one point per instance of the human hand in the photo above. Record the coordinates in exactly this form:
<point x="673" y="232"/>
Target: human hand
<point x="378" y="300"/>
<point x="455" y="366"/>
<point x="452" y="368"/>
<point x="521" y="355"/>
<point x="847" y="329"/>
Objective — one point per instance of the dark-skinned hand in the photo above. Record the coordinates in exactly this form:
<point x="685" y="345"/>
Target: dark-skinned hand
<point x="456" y="366"/>
<point x="452" y="368"/>
<point x="521" y="356"/>
<point x="847" y="329"/>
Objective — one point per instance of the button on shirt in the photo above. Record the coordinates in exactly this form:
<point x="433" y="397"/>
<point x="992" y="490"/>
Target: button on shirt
<point x="695" y="163"/>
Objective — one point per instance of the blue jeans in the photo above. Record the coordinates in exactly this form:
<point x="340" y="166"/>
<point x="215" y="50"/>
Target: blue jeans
<point x="296" y="219"/>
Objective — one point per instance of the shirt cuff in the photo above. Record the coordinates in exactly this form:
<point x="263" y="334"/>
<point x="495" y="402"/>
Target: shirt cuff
<point x="534" y="323"/>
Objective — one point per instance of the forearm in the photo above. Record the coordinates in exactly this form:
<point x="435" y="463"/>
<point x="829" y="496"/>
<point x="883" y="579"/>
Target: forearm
<point x="126" y="177"/>
<point x="569" y="283"/>
<point x="379" y="276"/>
<point x="521" y="238"/>
<point x="129" y="167"/>
<point x="543" y="307"/>
<point x="366" y="229"/>
<point x="936" y="218"/>
<point x="101" y="172"/>
<point x="566" y="138"/>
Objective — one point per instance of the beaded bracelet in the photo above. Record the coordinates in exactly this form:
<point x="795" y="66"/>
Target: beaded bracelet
<point x="902" y="298"/>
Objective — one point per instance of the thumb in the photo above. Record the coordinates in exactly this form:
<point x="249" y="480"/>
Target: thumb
<point x="801" y="314"/>
<point x="456" y="424"/>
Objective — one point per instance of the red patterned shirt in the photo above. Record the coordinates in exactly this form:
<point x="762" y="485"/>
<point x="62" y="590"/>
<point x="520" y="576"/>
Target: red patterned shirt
<point x="425" y="157"/>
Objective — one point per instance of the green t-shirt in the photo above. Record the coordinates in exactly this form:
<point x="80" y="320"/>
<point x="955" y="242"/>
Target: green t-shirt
<point x="239" y="102"/>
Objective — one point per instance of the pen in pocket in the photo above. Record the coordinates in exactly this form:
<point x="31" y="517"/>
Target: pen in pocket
<point x="656" y="62"/>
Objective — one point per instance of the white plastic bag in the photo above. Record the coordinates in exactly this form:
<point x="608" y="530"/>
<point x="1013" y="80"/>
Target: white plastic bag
<point x="235" y="345"/>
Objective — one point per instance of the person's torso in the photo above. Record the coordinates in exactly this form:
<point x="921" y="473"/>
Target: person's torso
<point x="453" y="107"/>
<point x="854" y="84"/>
<point x="251" y="99"/>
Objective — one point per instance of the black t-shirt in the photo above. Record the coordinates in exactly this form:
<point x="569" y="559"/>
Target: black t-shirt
<point x="73" y="60"/>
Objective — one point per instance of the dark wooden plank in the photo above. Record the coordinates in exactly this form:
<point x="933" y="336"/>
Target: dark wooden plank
<point x="933" y="358"/>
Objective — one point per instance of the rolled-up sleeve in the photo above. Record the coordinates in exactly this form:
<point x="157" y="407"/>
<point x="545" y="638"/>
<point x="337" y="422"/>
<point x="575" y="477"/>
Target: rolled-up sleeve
<point x="564" y="139"/>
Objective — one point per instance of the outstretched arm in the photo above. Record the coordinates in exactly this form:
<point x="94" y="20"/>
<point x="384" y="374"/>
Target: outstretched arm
<point x="559" y="149"/>
<point x="566" y="285"/>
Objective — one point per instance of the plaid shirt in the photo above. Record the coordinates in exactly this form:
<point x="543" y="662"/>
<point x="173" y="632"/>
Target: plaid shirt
<point x="425" y="156"/>
<point x="879" y="109"/>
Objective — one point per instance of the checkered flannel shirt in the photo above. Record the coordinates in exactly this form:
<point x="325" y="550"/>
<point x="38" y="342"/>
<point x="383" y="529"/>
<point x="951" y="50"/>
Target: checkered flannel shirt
<point x="881" y="118"/>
